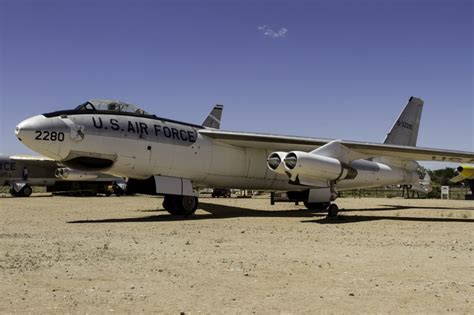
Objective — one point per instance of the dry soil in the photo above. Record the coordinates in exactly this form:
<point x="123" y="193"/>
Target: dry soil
<point x="127" y="255"/>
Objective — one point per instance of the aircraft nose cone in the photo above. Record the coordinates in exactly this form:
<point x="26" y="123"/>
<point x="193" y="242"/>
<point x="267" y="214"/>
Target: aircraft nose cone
<point x="46" y="136"/>
<point x="25" y="129"/>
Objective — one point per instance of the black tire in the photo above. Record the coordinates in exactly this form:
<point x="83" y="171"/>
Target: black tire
<point x="189" y="204"/>
<point x="118" y="191"/>
<point x="167" y="205"/>
<point x="172" y="208"/>
<point x="180" y="205"/>
<point x="316" y="205"/>
<point x="13" y="192"/>
<point x="26" y="191"/>
<point x="333" y="210"/>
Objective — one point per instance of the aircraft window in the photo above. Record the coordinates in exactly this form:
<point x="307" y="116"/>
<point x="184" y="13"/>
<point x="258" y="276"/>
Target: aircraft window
<point x="109" y="105"/>
<point x="86" y="106"/>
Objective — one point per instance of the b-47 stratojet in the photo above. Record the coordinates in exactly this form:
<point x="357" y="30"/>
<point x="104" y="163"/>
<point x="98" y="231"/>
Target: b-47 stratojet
<point x="172" y="158"/>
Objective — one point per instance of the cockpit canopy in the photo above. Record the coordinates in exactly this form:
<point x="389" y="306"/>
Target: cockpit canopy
<point x="111" y="106"/>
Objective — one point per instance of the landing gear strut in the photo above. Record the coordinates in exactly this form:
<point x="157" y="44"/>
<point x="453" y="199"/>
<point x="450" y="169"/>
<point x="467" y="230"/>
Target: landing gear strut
<point x="333" y="209"/>
<point x="180" y="205"/>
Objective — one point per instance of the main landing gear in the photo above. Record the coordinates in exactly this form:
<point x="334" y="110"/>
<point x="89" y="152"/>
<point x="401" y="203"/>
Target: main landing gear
<point x="24" y="192"/>
<point x="331" y="208"/>
<point x="180" y="205"/>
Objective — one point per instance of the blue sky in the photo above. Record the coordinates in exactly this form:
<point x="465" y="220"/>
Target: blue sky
<point x="334" y="69"/>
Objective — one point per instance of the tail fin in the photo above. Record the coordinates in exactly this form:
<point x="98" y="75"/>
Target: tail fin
<point x="214" y="118"/>
<point x="405" y="130"/>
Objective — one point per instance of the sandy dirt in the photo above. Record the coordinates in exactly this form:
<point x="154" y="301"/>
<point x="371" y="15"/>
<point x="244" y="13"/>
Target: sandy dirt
<point x="127" y="255"/>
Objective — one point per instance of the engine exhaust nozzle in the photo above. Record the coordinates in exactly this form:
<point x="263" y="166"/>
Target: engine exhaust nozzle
<point x="290" y="160"/>
<point x="273" y="161"/>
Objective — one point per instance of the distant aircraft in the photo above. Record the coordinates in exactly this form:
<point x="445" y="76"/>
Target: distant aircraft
<point x="465" y="172"/>
<point x="22" y="172"/>
<point x="172" y="158"/>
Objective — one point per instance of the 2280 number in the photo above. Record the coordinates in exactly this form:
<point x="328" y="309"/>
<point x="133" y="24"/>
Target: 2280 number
<point x="49" y="135"/>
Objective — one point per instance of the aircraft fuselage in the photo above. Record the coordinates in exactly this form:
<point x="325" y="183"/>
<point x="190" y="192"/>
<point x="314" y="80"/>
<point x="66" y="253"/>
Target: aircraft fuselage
<point x="138" y="146"/>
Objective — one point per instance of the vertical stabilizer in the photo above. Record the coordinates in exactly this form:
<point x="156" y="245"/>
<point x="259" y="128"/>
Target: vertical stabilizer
<point x="405" y="129"/>
<point x="214" y="118"/>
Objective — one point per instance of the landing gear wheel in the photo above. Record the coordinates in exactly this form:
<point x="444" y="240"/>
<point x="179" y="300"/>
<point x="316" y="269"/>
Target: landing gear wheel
<point x="180" y="205"/>
<point x="167" y="203"/>
<point x="316" y="205"/>
<point x="26" y="191"/>
<point x="333" y="210"/>
<point x="189" y="204"/>
<point x="118" y="191"/>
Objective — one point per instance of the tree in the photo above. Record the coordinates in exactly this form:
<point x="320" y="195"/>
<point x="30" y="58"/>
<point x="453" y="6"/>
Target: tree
<point x="441" y="177"/>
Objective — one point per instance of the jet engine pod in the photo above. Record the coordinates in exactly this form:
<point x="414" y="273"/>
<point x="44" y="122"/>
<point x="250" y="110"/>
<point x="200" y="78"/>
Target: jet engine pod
<point x="275" y="162"/>
<point x="305" y="164"/>
<point x="69" y="174"/>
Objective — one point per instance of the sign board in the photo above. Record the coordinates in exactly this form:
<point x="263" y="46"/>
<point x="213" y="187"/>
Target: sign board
<point x="445" y="192"/>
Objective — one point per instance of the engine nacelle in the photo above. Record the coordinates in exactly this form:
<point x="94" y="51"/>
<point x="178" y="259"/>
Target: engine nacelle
<point x="275" y="162"/>
<point x="317" y="166"/>
<point x="69" y="174"/>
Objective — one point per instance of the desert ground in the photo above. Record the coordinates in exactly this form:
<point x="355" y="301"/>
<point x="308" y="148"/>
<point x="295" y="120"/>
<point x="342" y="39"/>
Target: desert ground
<point x="128" y="255"/>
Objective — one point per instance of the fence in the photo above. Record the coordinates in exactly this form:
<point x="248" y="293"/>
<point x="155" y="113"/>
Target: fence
<point x="457" y="193"/>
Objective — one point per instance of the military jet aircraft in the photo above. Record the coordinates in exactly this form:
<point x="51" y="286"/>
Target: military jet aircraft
<point x="464" y="172"/>
<point x="21" y="172"/>
<point x="172" y="158"/>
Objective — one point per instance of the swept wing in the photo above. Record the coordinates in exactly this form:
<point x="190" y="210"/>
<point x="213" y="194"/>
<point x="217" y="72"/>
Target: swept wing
<point x="369" y="150"/>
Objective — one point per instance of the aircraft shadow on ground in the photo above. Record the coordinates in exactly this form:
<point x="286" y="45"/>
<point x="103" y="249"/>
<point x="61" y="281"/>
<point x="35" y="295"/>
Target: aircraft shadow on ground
<point x="23" y="197"/>
<point x="224" y="212"/>
<point x="214" y="212"/>
<point x="399" y="207"/>
<point x="341" y="219"/>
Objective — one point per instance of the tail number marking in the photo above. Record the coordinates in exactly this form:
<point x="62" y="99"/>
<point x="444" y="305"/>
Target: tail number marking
<point x="404" y="125"/>
<point x="49" y="135"/>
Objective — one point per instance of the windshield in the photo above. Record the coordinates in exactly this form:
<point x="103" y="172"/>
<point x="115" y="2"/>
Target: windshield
<point x="110" y="105"/>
